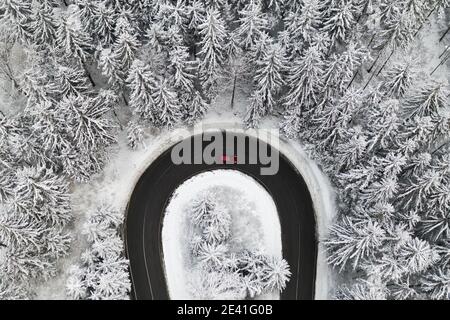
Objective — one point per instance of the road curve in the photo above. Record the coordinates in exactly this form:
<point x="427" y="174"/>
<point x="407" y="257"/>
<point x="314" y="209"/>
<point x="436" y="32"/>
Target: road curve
<point x="145" y="213"/>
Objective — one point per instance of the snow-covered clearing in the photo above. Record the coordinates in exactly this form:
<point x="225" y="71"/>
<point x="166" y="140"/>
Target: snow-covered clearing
<point x="255" y="223"/>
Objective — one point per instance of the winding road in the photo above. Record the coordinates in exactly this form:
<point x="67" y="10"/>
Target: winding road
<point x="146" y="208"/>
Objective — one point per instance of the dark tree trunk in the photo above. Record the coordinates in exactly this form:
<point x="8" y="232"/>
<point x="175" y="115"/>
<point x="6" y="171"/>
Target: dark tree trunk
<point x="444" y="60"/>
<point x="234" y="90"/>
<point x="426" y="19"/>
<point x="88" y="74"/>
<point x="443" y="52"/>
<point x="445" y="33"/>
<point x="117" y="118"/>
<point x="376" y="60"/>
<point x="353" y="79"/>
<point x="384" y="64"/>
<point x="125" y="99"/>
<point x="370" y="79"/>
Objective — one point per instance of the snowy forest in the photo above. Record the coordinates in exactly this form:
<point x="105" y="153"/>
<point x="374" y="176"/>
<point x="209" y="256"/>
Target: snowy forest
<point x="345" y="78"/>
<point x="221" y="273"/>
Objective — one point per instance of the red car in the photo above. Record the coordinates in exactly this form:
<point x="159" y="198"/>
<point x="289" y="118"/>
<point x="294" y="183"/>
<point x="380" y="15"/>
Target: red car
<point x="228" y="159"/>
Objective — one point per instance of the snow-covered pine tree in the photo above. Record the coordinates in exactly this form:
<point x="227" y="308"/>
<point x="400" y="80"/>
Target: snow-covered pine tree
<point x="196" y="14"/>
<point x="416" y="255"/>
<point x="196" y="107"/>
<point x="261" y="273"/>
<point x="277" y="7"/>
<point x="397" y="32"/>
<point x="353" y="57"/>
<point x="46" y="194"/>
<point x="440" y="5"/>
<point x="333" y="121"/>
<point x="214" y="4"/>
<point x="17" y="230"/>
<point x="201" y="209"/>
<point x="173" y="13"/>
<point x="36" y="86"/>
<point x="213" y="33"/>
<point x="434" y="224"/>
<point x="213" y="221"/>
<point x="6" y="185"/>
<point x="417" y="9"/>
<point x="71" y="40"/>
<point x="304" y="79"/>
<point x="380" y="191"/>
<point x="334" y="76"/>
<point x="302" y="25"/>
<point x="76" y="132"/>
<point x="15" y="20"/>
<point x="135" y="134"/>
<point x="43" y="25"/>
<point x="125" y="48"/>
<point x="258" y="49"/>
<point x="217" y="226"/>
<point x="111" y="68"/>
<point x="389" y="9"/>
<point x="276" y="274"/>
<point x="352" y="240"/>
<point x="47" y="136"/>
<point x="70" y="80"/>
<point x="305" y="82"/>
<point x="341" y="69"/>
<point x="382" y="124"/>
<point x="211" y="255"/>
<point x="166" y="104"/>
<point x="427" y="100"/>
<point x="414" y="134"/>
<point x="399" y="77"/>
<point x="339" y="19"/>
<point x="142" y="83"/>
<point x="172" y="38"/>
<point x="182" y="69"/>
<point x="104" y="24"/>
<point x="10" y="136"/>
<point x="32" y="234"/>
<point x="435" y="284"/>
<point x="415" y="191"/>
<point x="86" y="10"/>
<point x="155" y="37"/>
<point x="10" y="290"/>
<point x="366" y="7"/>
<point x="351" y="150"/>
<point x="215" y="285"/>
<point x="86" y="122"/>
<point x="252" y="23"/>
<point x="268" y="81"/>
<point x="403" y="255"/>
<point x="103" y="272"/>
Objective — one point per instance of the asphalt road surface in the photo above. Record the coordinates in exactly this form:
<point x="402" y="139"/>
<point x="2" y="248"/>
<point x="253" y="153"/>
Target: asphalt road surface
<point x="145" y="215"/>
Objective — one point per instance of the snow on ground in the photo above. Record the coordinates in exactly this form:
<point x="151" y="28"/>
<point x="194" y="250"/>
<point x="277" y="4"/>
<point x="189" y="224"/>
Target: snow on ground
<point x="116" y="183"/>
<point x="255" y="223"/>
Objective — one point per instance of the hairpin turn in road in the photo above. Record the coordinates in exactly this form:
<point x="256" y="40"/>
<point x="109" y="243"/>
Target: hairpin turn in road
<point x="150" y="197"/>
